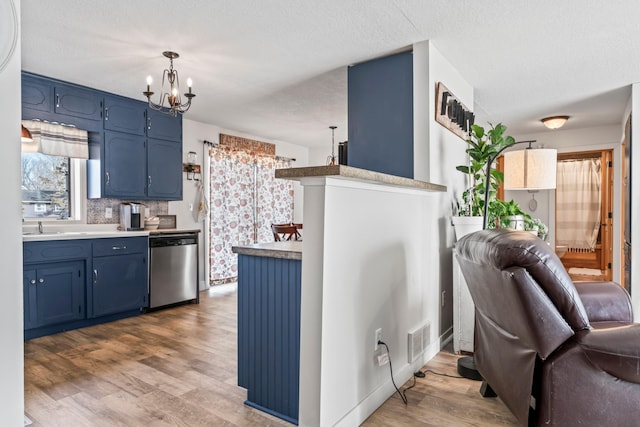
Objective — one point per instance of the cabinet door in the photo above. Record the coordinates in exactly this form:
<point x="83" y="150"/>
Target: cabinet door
<point x="125" y="172"/>
<point x="55" y="293"/>
<point x="29" y="298"/>
<point x="37" y="95"/>
<point x="164" y="167"/>
<point x="124" y="115"/>
<point x="164" y="126"/>
<point x="78" y="102"/>
<point x="119" y="283"/>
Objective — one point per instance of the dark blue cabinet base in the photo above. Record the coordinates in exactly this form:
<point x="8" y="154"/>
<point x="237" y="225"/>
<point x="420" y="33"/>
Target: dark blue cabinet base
<point x="269" y="334"/>
<point x="70" y="284"/>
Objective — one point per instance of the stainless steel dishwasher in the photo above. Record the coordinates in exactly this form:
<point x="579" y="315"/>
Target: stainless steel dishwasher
<point x="173" y="269"/>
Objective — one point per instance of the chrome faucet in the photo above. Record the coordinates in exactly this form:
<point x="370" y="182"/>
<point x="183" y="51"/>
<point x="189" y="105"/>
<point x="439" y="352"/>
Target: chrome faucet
<point x="40" y="230"/>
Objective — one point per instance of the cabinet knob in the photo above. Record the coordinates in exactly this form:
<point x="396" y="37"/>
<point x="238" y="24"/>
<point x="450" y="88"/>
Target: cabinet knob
<point x="118" y="248"/>
<point x="149" y="180"/>
<point x="41" y="280"/>
<point x="106" y="113"/>
<point x="33" y="281"/>
<point x="149" y="123"/>
<point x="107" y="174"/>
<point x="95" y="276"/>
<point x="57" y="100"/>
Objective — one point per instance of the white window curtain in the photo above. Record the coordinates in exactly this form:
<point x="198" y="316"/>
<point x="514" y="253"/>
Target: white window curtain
<point x="578" y="202"/>
<point x="245" y="199"/>
<point x="55" y="139"/>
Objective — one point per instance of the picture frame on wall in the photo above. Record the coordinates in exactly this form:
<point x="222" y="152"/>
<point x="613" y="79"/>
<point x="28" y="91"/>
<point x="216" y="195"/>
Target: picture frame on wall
<point x="452" y="113"/>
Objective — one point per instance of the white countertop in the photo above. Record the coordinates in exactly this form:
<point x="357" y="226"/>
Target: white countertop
<point x="68" y="235"/>
<point x="57" y="233"/>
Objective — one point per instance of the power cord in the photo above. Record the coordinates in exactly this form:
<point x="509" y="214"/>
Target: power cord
<point x="418" y="374"/>
<point x="436" y="373"/>
<point x="402" y="393"/>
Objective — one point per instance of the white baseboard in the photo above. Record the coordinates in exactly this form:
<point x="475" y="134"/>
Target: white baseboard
<point x="374" y="400"/>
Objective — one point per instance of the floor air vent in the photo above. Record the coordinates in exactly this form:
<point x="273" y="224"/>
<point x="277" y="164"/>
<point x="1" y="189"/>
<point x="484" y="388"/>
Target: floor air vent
<point x="419" y="340"/>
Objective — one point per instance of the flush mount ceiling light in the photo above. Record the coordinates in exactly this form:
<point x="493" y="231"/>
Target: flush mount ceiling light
<point x="170" y="101"/>
<point x="555" y="122"/>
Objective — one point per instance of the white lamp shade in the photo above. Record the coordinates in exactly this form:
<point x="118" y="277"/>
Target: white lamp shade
<point x="531" y="169"/>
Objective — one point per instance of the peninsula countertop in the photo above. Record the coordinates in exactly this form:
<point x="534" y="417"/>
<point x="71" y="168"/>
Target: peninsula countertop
<point x="285" y="250"/>
<point x="356" y="174"/>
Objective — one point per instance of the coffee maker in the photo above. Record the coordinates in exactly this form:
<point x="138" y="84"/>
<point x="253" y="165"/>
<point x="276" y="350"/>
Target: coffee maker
<point x="132" y="216"/>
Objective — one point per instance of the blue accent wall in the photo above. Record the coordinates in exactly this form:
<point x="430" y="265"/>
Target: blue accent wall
<point x="380" y="114"/>
<point x="269" y="333"/>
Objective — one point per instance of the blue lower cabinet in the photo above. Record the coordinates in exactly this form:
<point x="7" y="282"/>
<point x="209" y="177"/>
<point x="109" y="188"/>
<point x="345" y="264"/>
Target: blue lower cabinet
<point x="53" y="294"/>
<point x="69" y="284"/>
<point x="269" y="334"/>
<point x="119" y="284"/>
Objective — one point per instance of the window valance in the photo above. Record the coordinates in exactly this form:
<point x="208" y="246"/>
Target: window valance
<point x="58" y="140"/>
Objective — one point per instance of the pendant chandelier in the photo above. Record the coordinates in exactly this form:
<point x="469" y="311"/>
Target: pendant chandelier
<point x="332" y="160"/>
<point x="170" y="101"/>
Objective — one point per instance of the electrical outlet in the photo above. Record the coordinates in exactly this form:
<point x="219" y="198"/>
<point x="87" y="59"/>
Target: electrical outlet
<point x="383" y="359"/>
<point x="378" y="338"/>
<point x="108" y="213"/>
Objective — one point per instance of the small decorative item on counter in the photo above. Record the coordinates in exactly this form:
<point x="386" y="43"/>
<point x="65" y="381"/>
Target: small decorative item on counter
<point x="151" y="223"/>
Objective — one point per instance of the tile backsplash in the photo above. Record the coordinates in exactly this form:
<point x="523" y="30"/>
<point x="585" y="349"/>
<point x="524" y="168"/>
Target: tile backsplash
<point x="96" y="209"/>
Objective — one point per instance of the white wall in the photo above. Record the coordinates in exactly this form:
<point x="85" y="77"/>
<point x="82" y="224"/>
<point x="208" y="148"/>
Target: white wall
<point x="361" y="272"/>
<point x="318" y="155"/>
<point x="11" y="317"/>
<point x="437" y="154"/>
<point x="193" y="135"/>
<point x="565" y="141"/>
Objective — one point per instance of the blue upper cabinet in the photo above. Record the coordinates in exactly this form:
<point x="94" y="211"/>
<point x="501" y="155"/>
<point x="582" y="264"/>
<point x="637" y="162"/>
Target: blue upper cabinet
<point x="164" y="167"/>
<point x="163" y="126"/>
<point x="55" y="101"/>
<point x="134" y="152"/>
<point x="124" y="115"/>
<point x="78" y="102"/>
<point x="37" y="97"/>
<point x="124" y="162"/>
<point x="380" y="115"/>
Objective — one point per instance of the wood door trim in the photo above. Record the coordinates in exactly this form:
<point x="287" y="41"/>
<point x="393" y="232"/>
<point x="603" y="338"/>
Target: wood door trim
<point x="606" y="227"/>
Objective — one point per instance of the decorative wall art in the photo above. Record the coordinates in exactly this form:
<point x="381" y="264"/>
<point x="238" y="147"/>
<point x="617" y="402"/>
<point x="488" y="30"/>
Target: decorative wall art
<point x="451" y="113"/>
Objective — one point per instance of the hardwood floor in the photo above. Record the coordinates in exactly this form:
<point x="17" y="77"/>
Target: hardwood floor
<point x="177" y="367"/>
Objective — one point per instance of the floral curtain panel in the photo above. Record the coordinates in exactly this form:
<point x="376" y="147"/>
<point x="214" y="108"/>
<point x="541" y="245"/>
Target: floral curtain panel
<point x="274" y="198"/>
<point x="231" y="211"/>
<point x="245" y="200"/>
<point x="578" y="200"/>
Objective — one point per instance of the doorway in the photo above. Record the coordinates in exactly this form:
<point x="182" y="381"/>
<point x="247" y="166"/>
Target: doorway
<point x="584" y="214"/>
<point x="625" y="277"/>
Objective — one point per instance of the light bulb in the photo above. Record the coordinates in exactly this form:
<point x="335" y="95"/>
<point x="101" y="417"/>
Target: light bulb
<point x="149" y="80"/>
<point x="174" y="91"/>
<point x="189" y="82"/>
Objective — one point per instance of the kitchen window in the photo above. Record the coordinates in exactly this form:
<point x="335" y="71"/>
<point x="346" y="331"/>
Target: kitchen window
<point x="52" y="188"/>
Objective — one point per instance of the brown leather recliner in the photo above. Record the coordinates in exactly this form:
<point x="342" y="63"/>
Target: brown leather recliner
<point x="555" y="352"/>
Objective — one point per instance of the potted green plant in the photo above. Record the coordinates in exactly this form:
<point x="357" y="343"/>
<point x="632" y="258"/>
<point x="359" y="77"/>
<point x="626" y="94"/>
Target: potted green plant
<point x="482" y="148"/>
<point x="508" y="214"/>
<point x="537" y="226"/>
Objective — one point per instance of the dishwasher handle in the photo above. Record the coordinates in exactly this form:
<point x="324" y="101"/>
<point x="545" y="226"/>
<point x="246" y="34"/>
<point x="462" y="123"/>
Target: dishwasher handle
<point x="172" y="241"/>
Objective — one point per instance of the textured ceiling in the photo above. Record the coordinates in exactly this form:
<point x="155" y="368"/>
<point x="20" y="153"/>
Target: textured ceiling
<point x="277" y="68"/>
